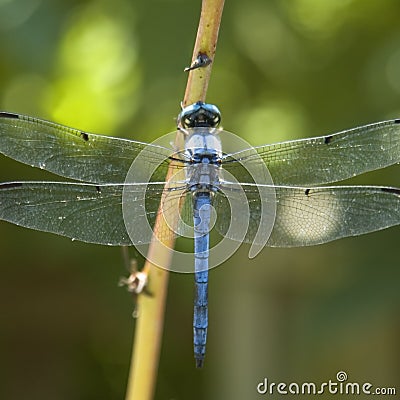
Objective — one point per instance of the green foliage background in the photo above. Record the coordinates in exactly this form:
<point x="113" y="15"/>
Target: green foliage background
<point x="284" y="69"/>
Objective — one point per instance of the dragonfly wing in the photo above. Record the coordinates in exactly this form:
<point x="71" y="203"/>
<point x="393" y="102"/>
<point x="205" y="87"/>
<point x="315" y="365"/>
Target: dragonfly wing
<point x="172" y="205"/>
<point x="311" y="216"/>
<point x="84" y="212"/>
<point x="76" y="154"/>
<point x="325" y="159"/>
<point x="245" y="212"/>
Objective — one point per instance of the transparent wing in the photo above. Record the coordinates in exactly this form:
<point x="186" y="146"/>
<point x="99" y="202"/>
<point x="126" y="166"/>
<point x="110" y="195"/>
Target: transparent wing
<point x="310" y="216"/>
<point x="85" y="212"/>
<point x="325" y="159"/>
<point x="73" y="153"/>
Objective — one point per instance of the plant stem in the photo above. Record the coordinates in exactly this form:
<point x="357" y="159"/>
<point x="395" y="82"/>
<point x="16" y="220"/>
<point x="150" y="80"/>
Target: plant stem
<point x="206" y="43"/>
<point x="149" y="325"/>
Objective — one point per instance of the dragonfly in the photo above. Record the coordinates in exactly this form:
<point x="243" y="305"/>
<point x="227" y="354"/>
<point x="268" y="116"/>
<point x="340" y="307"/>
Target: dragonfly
<point x="306" y="211"/>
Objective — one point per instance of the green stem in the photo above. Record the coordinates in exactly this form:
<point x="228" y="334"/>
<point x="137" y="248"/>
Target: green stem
<point x="149" y="324"/>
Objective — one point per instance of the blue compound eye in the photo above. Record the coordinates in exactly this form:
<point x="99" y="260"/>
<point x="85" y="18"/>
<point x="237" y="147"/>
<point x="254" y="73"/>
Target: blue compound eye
<point x="200" y="115"/>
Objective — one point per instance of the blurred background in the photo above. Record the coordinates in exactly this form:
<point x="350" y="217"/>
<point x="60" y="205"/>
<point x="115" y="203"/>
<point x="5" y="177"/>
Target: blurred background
<point x="284" y="69"/>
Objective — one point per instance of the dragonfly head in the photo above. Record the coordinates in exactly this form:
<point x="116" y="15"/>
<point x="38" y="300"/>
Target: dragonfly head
<point x="200" y="115"/>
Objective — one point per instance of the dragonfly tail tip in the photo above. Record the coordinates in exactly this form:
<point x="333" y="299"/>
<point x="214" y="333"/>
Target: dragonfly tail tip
<point x="199" y="362"/>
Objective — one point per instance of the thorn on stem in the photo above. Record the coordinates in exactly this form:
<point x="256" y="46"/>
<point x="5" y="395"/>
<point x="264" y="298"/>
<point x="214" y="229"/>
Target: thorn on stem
<point x="135" y="283"/>
<point x="201" y="61"/>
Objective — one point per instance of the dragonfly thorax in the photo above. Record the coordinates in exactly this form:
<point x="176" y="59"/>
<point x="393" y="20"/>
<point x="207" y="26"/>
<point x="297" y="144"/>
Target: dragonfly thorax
<point x="203" y="151"/>
<point x="202" y="143"/>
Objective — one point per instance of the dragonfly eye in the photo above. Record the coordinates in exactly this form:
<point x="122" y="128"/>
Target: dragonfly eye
<point x="200" y="115"/>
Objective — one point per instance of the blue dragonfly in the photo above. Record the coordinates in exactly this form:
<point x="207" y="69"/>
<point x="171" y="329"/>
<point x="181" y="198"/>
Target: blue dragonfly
<point x="212" y="188"/>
